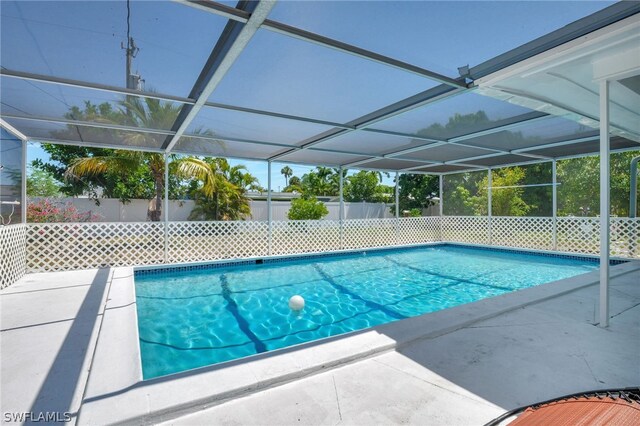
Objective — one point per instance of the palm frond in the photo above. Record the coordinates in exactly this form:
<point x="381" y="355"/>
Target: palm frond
<point x="93" y="166"/>
<point x="195" y="168"/>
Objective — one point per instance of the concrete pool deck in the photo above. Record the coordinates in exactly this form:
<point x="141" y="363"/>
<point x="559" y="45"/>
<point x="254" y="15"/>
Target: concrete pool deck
<point x="465" y="365"/>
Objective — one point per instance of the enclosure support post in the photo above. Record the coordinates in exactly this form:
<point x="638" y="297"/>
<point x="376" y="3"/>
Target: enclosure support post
<point x="341" y="212"/>
<point x="397" y="208"/>
<point x="604" y="203"/>
<point x="633" y="194"/>
<point x="23" y="186"/>
<point x="269" y="217"/>
<point x="489" y="212"/>
<point x="554" y="203"/>
<point x="441" y="203"/>
<point x="166" y="208"/>
<point x="633" y="201"/>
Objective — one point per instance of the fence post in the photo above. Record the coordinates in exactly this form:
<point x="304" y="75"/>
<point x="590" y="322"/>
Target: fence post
<point x="554" y="197"/>
<point x="489" y="212"/>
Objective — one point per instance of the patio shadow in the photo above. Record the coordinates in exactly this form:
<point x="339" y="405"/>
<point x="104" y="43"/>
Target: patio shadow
<point x="61" y="390"/>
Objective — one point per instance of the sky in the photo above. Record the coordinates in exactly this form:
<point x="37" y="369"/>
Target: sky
<point x="82" y="40"/>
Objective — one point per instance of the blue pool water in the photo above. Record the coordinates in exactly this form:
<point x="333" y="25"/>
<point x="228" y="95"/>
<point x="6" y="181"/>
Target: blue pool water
<point x="189" y="319"/>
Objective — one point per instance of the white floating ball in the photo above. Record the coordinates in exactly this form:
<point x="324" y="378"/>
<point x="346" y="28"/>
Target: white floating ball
<point x="296" y="303"/>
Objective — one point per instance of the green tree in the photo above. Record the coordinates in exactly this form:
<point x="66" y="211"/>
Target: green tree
<point x="128" y="162"/>
<point x="147" y="113"/>
<point x="416" y="191"/>
<point x="41" y="183"/>
<point x="138" y="184"/>
<point x="457" y="193"/>
<point x="384" y="194"/>
<point x="322" y="181"/>
<point x="579" y="187"/>
<point x="538" y="198"/>
<point x="295" y="185"/>
<point x="287" y="173"/>
<point x="307" y="208"/>
<point x="362" y="186"/>
<point x="505" y="201"/>
<point x="229" y="200"/>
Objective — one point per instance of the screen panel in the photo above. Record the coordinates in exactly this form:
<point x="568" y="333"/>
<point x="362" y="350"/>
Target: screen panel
<point x="226" y="148"/>
<point x="286" y="75"/>
<point x="446" y="153"/>
<point x="542" y="132"/>
<point x="454" y="116"/>
<point x="42" y="131"/>
<point x="235" y="124"/>
<point x="370" y="143"/>
<point x="84" y="41"/>
<point x="392" y="164"/>
<point x="29" y="98"/>
<point x="313" y="157"/>
<point x="441" y="36"/>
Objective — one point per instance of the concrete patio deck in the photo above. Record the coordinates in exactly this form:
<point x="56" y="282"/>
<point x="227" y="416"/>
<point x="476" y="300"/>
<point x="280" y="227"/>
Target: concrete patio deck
<point x="50" y="324"/>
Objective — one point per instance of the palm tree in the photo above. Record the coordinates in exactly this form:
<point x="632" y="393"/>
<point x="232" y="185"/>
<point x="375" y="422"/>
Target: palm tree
<point x="287" y="172"/>
<point x="229" y="201"/>
<point x="127" y="162"/>
<point x="152" y="114"/>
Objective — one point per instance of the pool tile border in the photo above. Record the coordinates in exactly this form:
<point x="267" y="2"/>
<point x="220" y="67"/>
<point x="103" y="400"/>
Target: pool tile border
<point x="217" y="264"/>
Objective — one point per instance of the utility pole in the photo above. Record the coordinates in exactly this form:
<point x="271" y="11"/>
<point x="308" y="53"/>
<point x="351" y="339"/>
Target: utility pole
<point x="133" y="80"/>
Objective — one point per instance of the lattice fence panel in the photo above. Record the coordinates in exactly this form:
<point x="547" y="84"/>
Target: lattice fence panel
<point x="13" y="253"/>
<point x="66" y="246"/>
<point x="305" y="236"/>
<point x="415" y="230"/>
<point x="465" y="229"/>
<point x="625" y="237"/>
<point x="362" y="233"/>
<point x="201" y="241"/>
<point x="526" y="232"/>
<point x="579" y="234"/>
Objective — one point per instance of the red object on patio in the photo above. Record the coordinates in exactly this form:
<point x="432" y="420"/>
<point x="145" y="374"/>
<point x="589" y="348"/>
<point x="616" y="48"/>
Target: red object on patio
<point x="590" y="410"/>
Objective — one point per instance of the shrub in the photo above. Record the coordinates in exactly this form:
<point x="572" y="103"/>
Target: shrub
<point x="307" y="209"/>
<point x="46" y="211"/>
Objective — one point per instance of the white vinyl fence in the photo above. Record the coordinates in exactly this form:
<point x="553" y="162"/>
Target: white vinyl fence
<point x="66" y="246"/>
<point x="113" y="210"/>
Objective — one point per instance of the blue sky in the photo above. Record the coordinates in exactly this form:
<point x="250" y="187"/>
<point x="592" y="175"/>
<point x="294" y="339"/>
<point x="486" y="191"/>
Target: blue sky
<point x="82" y="40"/>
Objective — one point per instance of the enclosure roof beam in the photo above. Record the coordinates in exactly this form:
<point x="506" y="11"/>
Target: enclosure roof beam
<point x="98" y="125"/>
<point x="92" y="144"/>
<point x="230" y="45"/>
<point x="60" y="81"/>
<point x="574" y="30"/>
<point x="8" y="127"/>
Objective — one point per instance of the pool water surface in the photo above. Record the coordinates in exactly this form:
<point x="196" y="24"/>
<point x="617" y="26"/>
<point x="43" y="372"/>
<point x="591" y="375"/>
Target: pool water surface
<point x="190" y="319"/>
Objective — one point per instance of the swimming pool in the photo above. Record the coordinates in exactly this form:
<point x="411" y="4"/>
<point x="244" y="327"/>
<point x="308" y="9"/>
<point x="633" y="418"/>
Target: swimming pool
<point x="189" y="319"/>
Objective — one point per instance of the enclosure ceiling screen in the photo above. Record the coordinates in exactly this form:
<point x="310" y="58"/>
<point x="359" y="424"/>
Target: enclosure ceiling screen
<point x="371" y="85"/>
